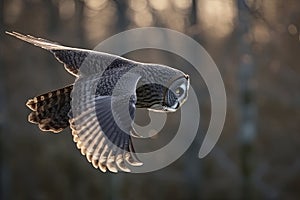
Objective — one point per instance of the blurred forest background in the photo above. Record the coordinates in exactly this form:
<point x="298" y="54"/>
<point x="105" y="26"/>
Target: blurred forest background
<point x="255" y="44"/>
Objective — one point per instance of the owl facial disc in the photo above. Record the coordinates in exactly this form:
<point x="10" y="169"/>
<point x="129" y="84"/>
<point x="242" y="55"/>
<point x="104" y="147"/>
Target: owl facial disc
<point x="177" y="94"/>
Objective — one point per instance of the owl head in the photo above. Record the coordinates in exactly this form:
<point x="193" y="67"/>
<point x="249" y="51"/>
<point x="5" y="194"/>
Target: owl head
<point x="175" y="94"/>
<point x="162" y="89"/>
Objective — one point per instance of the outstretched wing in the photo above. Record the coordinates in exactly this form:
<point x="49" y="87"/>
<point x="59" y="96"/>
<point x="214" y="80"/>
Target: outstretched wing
<point x="72" y="58"/>
<point x="101" y="122"/>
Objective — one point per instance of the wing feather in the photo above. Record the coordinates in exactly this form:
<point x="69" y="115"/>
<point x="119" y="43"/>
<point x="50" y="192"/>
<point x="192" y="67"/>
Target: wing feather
<point x="101" y="127"/>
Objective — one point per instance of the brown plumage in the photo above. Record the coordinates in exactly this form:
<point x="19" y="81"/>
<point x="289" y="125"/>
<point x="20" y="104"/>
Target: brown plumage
<point x="51" y="110"/>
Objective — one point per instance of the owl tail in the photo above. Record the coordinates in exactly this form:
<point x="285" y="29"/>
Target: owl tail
<point x="50" y="110"/>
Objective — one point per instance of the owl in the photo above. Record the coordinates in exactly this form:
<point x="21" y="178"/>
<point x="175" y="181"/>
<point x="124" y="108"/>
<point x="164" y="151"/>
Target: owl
<point x="100" y="106"/>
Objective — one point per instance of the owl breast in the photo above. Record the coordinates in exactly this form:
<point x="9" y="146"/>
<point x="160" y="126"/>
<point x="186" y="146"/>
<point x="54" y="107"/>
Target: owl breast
<point x="149" y="95"/>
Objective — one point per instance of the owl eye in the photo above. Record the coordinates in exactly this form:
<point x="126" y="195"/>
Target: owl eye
<point x="179" y="91"/>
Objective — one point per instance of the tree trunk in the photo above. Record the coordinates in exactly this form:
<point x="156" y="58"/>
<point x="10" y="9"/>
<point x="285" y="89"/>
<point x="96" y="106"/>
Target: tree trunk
<point x="247" y="106"/>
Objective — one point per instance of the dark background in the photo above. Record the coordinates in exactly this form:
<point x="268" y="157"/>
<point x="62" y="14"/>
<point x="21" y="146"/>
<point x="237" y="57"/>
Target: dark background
<point x="254" y="43"/>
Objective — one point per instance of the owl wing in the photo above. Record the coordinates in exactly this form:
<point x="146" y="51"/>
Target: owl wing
<point x="72" y="58"/>
<point x="101" y="125"/>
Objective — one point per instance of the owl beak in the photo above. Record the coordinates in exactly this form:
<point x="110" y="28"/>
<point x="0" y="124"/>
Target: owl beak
<point x="167" y="109"/>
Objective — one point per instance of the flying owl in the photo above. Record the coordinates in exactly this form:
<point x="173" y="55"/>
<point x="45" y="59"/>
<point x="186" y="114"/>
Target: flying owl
<point x="100" y="106"/>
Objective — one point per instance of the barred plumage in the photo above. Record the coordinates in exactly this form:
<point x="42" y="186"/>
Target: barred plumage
<point x="51" y="110"/>
<point x="100" y="106"/>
